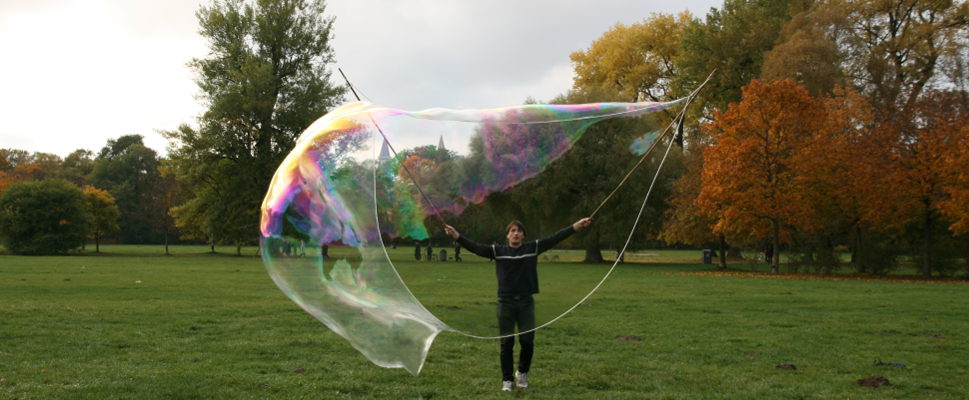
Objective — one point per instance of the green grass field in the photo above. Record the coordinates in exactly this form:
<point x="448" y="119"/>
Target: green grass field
<point x="134" y="324"/>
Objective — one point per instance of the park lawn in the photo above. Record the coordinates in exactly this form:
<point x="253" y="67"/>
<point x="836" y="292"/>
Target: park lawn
<point x="134" y="324"/>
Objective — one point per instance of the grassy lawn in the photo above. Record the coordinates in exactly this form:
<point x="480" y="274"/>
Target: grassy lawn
<point x="134" y="324"/>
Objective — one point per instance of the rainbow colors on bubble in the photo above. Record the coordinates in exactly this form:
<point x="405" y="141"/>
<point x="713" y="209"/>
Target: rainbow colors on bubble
<point x="343" y="189"/>
<point x="641" y="145"/>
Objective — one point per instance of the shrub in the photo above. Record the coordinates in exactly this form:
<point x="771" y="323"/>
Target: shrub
<point x="43" y="217"/>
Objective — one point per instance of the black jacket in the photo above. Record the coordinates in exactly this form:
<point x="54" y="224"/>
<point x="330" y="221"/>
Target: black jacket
<point x="516" y="267"/>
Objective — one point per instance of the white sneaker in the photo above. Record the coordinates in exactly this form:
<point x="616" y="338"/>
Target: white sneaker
<point x="520" y="379"/>
<point x="507" y="386"/>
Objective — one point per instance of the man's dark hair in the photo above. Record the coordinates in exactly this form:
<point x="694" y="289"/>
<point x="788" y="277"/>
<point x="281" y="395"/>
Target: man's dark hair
<point x="515" y="223"/>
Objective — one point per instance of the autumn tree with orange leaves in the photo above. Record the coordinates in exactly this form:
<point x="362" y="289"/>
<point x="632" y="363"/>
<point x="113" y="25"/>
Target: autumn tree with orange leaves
<point x="6" y="172"/>
<point x="749" y="182"/>
<point x="835" y="166"/>
<point x="684" y="223"/>
<point x="919" y="172"/>
<point x="955" y="160"/>
<point x="21" y="166"/>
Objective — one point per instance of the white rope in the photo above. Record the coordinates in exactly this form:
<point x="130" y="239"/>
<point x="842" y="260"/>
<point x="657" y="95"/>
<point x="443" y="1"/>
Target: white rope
<point x="629" y="238"/>
<point x="689" y="99"/>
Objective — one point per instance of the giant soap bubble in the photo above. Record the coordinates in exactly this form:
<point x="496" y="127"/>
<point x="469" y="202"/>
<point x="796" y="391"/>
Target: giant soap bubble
<point x="364" y="177"/>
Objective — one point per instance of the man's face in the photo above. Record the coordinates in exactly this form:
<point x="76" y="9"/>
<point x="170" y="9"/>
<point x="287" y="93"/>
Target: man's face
<point x="515" y="236"/>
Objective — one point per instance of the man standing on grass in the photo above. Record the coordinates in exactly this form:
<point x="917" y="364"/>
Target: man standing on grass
<point x="516" y="267"/>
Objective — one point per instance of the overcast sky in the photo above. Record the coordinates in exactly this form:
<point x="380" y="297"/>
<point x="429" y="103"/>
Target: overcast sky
<point x="75" y="73"/>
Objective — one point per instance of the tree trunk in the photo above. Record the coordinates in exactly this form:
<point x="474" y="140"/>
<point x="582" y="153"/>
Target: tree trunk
<point x="857" y="252"/>
<point x="592" y="252"/>
<point x="166" y="243"/>
<point x="722" y="260"/>
<point x="775" y="262"/>
<point x="238" y="248"/>
<point x="927" y="245"/>
<point x="593" y="255"/>
<point x="212" y="246"/>
<point x="97" y="243"/>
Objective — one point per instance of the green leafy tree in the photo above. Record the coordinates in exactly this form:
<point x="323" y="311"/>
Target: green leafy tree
<point x="104" y="214"/>
<point x="77" y="167"/>
<point x="129" y="171"/>
<point x="733" y="40"/>
<point x="45" y="166"/>
<point x="576" y="184"/>
<point x="43" y="217"/>
<point x="169" y="193"/>
<point x="264" y="81"/>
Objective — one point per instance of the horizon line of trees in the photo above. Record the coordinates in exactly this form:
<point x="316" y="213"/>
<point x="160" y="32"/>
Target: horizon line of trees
<point x="829" y="125"/>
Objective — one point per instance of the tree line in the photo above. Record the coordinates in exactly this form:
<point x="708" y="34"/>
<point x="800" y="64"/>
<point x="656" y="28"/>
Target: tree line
<point x="829" y="125"/>
<point x="120" y="193"/>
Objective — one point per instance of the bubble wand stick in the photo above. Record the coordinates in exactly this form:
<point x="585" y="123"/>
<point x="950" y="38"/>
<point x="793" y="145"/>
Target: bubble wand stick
<point x="391" y="146"/>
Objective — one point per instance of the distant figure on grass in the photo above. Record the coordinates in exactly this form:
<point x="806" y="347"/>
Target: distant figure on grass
<point x="324" y="256"/>
<point x="516" y="266"/>
<point x="430" y="252"/>
<point x="417" y="251"/>
<point x="457" y="251"/>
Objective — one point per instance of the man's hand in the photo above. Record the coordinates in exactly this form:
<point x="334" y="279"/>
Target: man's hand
<point x="450" y="231"/>
<point x="581" y="224"/>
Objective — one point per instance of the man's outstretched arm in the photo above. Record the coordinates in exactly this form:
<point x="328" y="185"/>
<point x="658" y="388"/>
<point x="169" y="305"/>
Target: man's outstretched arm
<point x="472" y="246"/>
<point x="549" y="242"/>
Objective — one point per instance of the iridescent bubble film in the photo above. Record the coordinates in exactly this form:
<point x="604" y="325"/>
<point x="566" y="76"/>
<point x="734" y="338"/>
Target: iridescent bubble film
<point x="365" y="184"/>
<point x="642" y="144"/>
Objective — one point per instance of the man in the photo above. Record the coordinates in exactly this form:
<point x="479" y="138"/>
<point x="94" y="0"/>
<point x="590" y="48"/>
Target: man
<point x="516" y="267"/>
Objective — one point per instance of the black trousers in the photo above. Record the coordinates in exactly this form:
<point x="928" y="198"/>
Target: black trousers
<point x="512" y="311"/>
